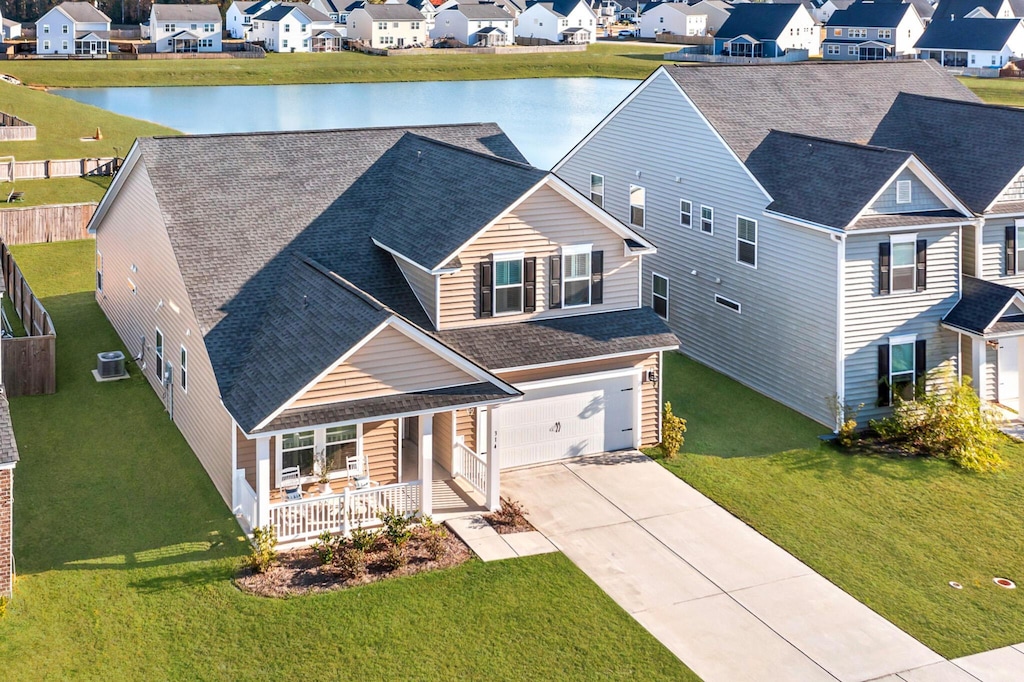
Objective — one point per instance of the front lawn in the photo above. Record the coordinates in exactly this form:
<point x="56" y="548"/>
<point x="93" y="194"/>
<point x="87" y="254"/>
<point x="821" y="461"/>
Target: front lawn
<point x="891" y="532"/>
<point x="125" y="554"/>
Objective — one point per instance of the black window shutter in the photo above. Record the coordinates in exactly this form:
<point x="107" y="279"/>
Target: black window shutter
<point x="883" y="375"/>
<point x="529" y="285"/>
<point x="922" y="264"/>
<point x="1011" y="250"/>
<point x="597" y="277"/>
<point x="555" y="282"/>
<point x="883" y="268"/>
<point x="920" y="366"/>
<point x="485" y="285"/>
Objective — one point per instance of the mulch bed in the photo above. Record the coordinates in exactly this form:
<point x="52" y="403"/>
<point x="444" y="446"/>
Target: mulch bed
<point x="509" y="519"/>
<point x="299" y="571"/>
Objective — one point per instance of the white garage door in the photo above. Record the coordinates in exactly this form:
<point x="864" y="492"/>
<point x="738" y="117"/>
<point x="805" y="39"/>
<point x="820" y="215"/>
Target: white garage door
<point x="567" y="421"/>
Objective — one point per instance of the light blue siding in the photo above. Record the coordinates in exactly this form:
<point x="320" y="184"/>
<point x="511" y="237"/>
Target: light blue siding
<point x="921" y="198"/>
<point x="993" y="252"/>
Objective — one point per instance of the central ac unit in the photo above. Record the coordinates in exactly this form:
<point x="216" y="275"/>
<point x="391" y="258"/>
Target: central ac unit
<point x="110" y="364"/>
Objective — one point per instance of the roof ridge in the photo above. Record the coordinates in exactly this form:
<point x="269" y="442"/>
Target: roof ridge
<point x="946" y="100"/>
<point x="488" y="157"/>
<point x="344" y="283"/>
<point x="317" y="131"/>
<point x="845" y="143"/>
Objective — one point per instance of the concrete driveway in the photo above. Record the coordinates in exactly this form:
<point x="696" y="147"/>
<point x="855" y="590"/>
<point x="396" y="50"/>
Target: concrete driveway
<point x="728" y="602"/>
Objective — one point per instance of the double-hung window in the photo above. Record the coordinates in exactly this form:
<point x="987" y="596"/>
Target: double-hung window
<point x="903" y="272"/>
<point x="340" y="445"/>
<point x="902" y="370"/>
<point x="858" y="33"/>
<point x="637" y="205"/>
<point x="685" y="213"/>
<point x="746" y="241"/>
<point x="508" y="284"/>
<point x="597" y="189"/>
<point x="336" y="443"/>
<point x="707" y="219"/>
<point x="885" y="33"/>
<point x="576" y="276"/>
<point x="659" y="295"/>
<point x="1017" y="250"/>
<point x="99" y="271"/>
<point x="183" y="369"/>
<point x="297" y="450"/>
<point x="64" y="29"/>
<point x="159" y="345"/>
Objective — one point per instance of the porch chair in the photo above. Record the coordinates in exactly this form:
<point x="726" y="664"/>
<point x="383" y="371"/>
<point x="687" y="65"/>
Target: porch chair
<point x="291" y="483"/>
<point x="354" y="466"/>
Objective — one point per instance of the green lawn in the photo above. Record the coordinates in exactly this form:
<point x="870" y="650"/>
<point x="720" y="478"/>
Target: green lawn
<point x="55" y="191"/>
<point x="892" y="532"/>
<point x="605" y="59"/>
<point x="125" y="553"/>
<point x="17" y="328"/>
<point x="1008" y="91"/>
<point x="60" y="123"/>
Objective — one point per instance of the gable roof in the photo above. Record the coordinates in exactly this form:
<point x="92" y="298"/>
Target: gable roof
<point x="481" y="10"/>
<point x="761" y="21"/>
<point x="981" y="305"/>
<point x="254" y="8"/>
<point x="285" y="8"/>
<point x="834" y="100"/>
<point x="961" y="8"/>
<point x="870" y="14"/>
<point x="967" y="34"/>
<point x="83" y="12"/>
<point x="199" y="13"/>
<point x="925" y="9"/>
<point x="562" y="8"/>
<point x="976" y="163"/>
<point x="392" y="12"/>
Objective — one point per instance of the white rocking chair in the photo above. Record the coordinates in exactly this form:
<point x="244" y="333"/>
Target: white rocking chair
<point x="291" y="483"/>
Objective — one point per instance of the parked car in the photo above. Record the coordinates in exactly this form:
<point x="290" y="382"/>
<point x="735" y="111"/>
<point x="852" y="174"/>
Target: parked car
<point x="623" y="35"/>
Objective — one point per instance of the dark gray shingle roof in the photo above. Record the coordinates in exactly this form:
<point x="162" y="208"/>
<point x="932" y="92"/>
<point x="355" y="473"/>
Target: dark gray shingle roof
<point x="285" y="8"/>
<point x="563" y="339"/>
<point x="8" y="444"/>
<point x="840" y="101"/>
<point x="961" y="8"/>
<point x="870" y="14"/>
<point x="980" y="304"/>
<point x="967" y="34"/>
<point x="482" y="11"/>
<point x="83" y="12"/>
<point x="393" y="12"/>
<point x="198" y="13"/>
<point x="758" y="20"/>
<point x="977" y="149"/>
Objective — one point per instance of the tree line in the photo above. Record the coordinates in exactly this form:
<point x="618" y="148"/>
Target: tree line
<point x="119" y="11"/>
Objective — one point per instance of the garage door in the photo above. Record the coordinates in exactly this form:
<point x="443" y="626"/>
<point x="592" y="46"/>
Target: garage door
<point x="567" y="421"/>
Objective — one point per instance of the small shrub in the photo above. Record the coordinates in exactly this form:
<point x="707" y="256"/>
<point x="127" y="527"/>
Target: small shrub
<point x="362" y="539"/>
<point x="352" y="563"/>
<point x="511" y="513"/>
<point x="845" y="418"/>
<point x="672" y="430"/>
<point x="397" y="527"/>
<point x="394" y="558"/>
<point x="325" y="548"/>
<point x="264" y="549"/>
<point x="949" y="422"/>
<point x="3" y="606"/>
<point x="434" y="536"/>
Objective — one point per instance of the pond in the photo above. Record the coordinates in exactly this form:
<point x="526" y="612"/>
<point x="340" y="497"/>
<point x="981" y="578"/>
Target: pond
<point x="545" y="117"/>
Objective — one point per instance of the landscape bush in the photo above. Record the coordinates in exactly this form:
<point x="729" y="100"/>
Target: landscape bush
<point x="672" y="430"/>
<point x="264" y="549"/>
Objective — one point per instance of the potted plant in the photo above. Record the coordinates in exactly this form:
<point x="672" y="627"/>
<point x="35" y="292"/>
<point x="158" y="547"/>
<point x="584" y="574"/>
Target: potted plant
<point x="322" y="469"/>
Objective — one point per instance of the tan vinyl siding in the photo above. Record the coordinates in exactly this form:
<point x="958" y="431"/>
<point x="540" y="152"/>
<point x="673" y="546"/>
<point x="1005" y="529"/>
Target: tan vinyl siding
<point x="650" y="422"/>
<point x="539" y="227"/>
<point x="921" y="198"/>
<point x="443" y="439"/>
<point x="245" y="456"/>
<point x="423" y="284"/>
<point x="132" y="234"/>
<point x="380" y="447"/>
<point x="465" y="426"/>
<point x="389" y="363"/>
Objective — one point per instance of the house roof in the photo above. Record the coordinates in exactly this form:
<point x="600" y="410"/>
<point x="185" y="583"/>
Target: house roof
<point x="977" y="162"/>
<point x="924" y="8"/>
<point x="481" y="11"/>
<point x="798" y="170"/>
<point x="870" y="14"/>
<point x="328" y="32"/>
<point x="562" y="8"/>
<point x="253" y="8"/>
<point x="392" y="12"/>
<point x="83" y="12"/>
<point x="184" y="35"/>
<point x="10" y="22"/>
<point x="560" y="339"/>
<point x="200" y="13"/>
<point x="967" y="34"/>
<point x="99" y="35"/>
<point x="491" y="29"/>
<point x="961" y="8"/>
<point x="285" y="8"/>
<point x="1017" y="6"/>
<point x="8" y="444"/>
<point x="762" y="21"/>
<point x="840" y="101"/>
<point x="980" y="306"/>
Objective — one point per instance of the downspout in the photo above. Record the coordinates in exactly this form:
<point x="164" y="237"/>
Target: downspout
<point x="840" y="240"/>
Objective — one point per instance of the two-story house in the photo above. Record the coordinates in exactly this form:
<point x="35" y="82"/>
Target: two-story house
<point x="677" y="18"/>
<point x="406" y="338"/>
<point x="946" y="10"/>
<point x="806" y="286"/>
<point x="562" y="21"/>
<point x="238" y="18"/>
<point x="294" y="27"/>
<point x="390" y="25"/>
<point x="768" y="30"/>
<point x="871" y="31"/>
<point x="185" y="28"/>
<point x="972" y="42"/>
<point x="480" y="23"/>
<point x="73" y="28"/>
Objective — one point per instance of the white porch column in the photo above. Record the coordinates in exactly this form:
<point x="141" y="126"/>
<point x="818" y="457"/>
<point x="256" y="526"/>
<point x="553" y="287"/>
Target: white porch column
<point x="489" y="441"/>
<point x="262" y="481"/>
<point x="425" y="443"/>
<point x="978" y="368"/>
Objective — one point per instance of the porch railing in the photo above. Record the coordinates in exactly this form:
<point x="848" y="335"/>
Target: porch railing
<point x="340" y="512"/>
<point x="245" y="499"/>
<point x="470" y="466"/>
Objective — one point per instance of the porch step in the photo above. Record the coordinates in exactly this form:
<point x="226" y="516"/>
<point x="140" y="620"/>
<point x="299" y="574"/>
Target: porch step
<point x="489" y="545"/>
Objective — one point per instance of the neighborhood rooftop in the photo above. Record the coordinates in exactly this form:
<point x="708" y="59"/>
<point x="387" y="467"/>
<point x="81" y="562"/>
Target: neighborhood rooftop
<point x="201" y="13"/>
<point x="83" y="12"/>
<point x="967" y="34"/>
<point x="757" y="20"/>
<point x="870" y="14"/>
<point x="285" y="8"/>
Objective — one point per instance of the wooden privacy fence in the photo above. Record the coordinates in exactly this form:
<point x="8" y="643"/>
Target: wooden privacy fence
<point x="43" y="224"/>
<point x="14" y="129"/>
<point x="59" y="168"/>
<point x="29" y="363"/>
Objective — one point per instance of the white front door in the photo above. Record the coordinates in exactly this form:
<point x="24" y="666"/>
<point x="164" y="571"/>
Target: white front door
<point x="567" y="421"/>
<point x="1009" y="377"/>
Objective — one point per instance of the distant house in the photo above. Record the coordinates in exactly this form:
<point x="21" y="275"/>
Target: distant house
<point x="629" y="11"/>
<point x="701" y="18"/>
<point x="387" y="26"/>
<point x="972" y="42"/>
<point x="295" y="27"/>
<point x="768" y="30"/>
<point x="871" y="31"/>
<point x="513" y="7"/>
<point x="73" y="28"/>
<point x="480" y="24"/>
<point x="947" y="10"/>
<point x="11" y="29"/>
<point x="238" y="18"/>
<point x="562" y="21"/>
<point x="428" y="9"/>
<point x="821" y="10"/>
<point x="185" y="28"/>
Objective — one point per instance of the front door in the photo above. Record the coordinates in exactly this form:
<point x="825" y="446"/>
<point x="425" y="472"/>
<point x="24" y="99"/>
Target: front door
<point x="401" y="42"/>
<point x="1009" y="377"/>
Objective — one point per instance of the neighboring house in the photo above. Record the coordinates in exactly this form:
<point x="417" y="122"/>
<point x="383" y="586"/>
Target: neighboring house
<point x="871" y="31"/>
<point x="8" y="460"/>
<point x="562" y="21"/>
<point x="947" y="10"/>
<point x="628" y="12"/>
<point x="979" y="43"/>
<point x="238" y="18"/>
<point x="185" y="28"/>
<point x="73" y="28"/>
<point x="333" y="9"/>
<point x="295" y="27"/>
<point x="408" y="336"/>
<point x="925" y="8"/>
<point x="388" y="25"/>
<point x="804" y="285"/>
<point x="510" y="6"/>
<point x="481" y="24"/>
<point x="676" y="18"/>
<point x="768" y="30"/>
<point x="11" y="29"/>
<point x="427" y="9"/>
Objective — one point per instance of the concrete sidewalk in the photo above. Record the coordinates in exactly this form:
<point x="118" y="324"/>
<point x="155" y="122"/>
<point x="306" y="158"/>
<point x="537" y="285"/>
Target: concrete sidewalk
<point x="727" y="601"/>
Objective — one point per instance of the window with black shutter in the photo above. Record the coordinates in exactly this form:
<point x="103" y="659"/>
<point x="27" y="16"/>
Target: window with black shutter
<point x="922" y="264"/>
<point x="597" y="277"/>
<point x="883" y="375"/>
<point x="529" y="285"/>
<point x="883" y="268"/>
<point x="485" y="287"/>
<point x="554" y="282"/>
<point x="1010" y="266"/>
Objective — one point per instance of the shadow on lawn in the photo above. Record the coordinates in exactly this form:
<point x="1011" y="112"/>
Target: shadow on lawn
<point x="827" y="460"/>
